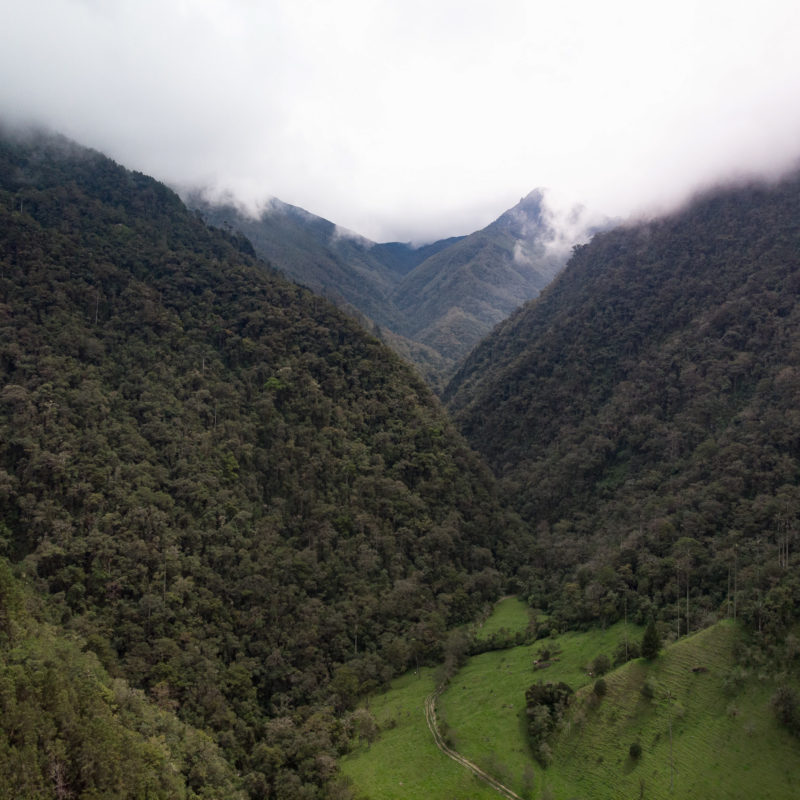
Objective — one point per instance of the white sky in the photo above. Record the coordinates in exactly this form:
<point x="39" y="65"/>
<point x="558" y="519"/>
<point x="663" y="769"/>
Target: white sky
<point x="416" y="119"/>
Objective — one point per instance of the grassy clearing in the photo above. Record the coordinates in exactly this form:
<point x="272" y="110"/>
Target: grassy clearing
<point x="404" y="763"/>
<point x="724" y="744"/>
<point x="484" y="706"/>
<point x="510" y="613"/>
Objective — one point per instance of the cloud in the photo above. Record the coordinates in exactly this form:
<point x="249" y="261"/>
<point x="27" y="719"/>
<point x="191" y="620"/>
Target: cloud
<point x="569" y="223"/>
<point x="340" y="233"/>
<point x="413" y="120"/>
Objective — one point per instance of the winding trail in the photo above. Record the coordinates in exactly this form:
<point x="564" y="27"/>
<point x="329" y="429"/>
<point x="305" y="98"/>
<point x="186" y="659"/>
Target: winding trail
<point x="430" y="718"/>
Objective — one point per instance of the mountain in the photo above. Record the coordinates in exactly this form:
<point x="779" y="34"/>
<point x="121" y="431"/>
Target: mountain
<point x="456" y="296"/>
<point x="433" y="303"/>
<point x="227" y="511"/>
<point x="642" y="414"/>
<point x="220" y="489"/>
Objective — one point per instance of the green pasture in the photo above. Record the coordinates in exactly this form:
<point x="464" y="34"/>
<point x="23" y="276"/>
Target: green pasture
<point x="724" y="742"/>
<point x="510" y="613"/>
<point x="404" y="764"/>
<point x="483" y="708"/>
<point x="702" y="735"/>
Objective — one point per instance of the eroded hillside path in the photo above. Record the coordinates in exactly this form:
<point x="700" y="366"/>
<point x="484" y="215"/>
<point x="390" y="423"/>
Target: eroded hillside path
<point x="430" y="718"/>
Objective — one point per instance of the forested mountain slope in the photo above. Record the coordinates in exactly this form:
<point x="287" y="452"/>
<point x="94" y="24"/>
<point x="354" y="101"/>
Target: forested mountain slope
<point x="315" y="253"/>
<point x="643" y="413"/>
<point x="245" y="505"/>
<point x="68" y="729"/>
<point x="358" y="275"/>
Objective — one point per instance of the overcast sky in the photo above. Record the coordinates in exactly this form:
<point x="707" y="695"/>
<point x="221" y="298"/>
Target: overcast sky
<point x="416" y="119"/>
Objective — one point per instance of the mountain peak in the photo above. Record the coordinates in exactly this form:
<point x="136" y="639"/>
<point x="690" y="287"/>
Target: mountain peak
<point x="527" y="219"/>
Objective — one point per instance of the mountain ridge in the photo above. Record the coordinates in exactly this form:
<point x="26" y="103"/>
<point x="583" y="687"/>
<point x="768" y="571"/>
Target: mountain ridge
<point x="640" y="411"/>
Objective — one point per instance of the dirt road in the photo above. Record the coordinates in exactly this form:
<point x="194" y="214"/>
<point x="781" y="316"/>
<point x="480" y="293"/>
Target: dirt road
<point x="430" y="717"/>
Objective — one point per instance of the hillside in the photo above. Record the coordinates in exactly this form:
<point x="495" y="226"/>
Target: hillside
<point x="642" y="413"/>
<point x="247" y="507"/>
<point x="356" y="274"/>
<point x="315" y="253"/>
<point x="705" y="725"/>
<point x="703" y="719"/>
<point x="431" y="304"/>
<point x="71" y="730"/>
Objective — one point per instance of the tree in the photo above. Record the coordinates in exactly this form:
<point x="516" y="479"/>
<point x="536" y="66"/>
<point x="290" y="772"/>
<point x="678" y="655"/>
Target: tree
<point x="601" y="665"/>
<point x="786" y="705"/>
<point x="545" y="706"/>
<point x="651" y="641"/>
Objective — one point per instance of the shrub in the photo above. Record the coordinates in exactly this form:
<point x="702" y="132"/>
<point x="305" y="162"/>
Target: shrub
<point x="651" y="641"/>
<point x="543" y="753"/>
<point x="787" y="708"/>
<point x="600" y="687"/>
<point x="625" y="653"/>
<point x="601" y="664"/>
<point x="545" y="706"/>
<point x="635" y="751"/>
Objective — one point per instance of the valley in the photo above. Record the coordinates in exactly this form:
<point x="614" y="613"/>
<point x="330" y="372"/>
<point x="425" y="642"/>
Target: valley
<point x="242" y="540"/>
<point x="431" y="303"/>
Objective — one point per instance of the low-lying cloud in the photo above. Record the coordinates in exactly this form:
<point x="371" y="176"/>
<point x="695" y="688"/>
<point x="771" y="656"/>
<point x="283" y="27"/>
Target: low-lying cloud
<point x="415" y="120"/>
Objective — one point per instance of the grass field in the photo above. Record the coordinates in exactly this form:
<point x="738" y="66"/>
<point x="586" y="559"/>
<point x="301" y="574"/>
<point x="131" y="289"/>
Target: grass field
<point x="698" y="739"/>
<point x="404" y="763"/>
<point x="722" y="745"/>
<point x="484" y="706"/>
<point x="510" y="613"/>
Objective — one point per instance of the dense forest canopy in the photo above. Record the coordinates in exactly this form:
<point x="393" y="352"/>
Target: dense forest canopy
<point x="69" y="729"/>
<point x="642" y="414"/>
<point x="227" y="512"/>
<point x="239" y="501"/>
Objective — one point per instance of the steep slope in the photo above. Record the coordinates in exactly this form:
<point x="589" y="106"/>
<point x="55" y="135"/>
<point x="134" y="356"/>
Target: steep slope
<point x="315" y="253"/>
<point x="356" y="274"/>
<point x="68" y="729"/>
<point x="648" y="401"/>
<point x="402" y="257"/>
<point x="250" y="508"/>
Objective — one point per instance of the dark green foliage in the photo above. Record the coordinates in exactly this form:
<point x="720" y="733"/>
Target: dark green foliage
<point x="600" y="688"/>
<point x="642" y="415"/>
<point x="545" y="704"/>
<point x="651" y="641"/>
<point x="635" y="751"/>
<point x="600" y="665"/>
<point x="67" y="729"/>
<point x="313" y="252"/>
<point x="249" y="508"/>
<point x="626" y="651"/>
<point x="786" y="704"/>
<point x="501" y="640"/>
